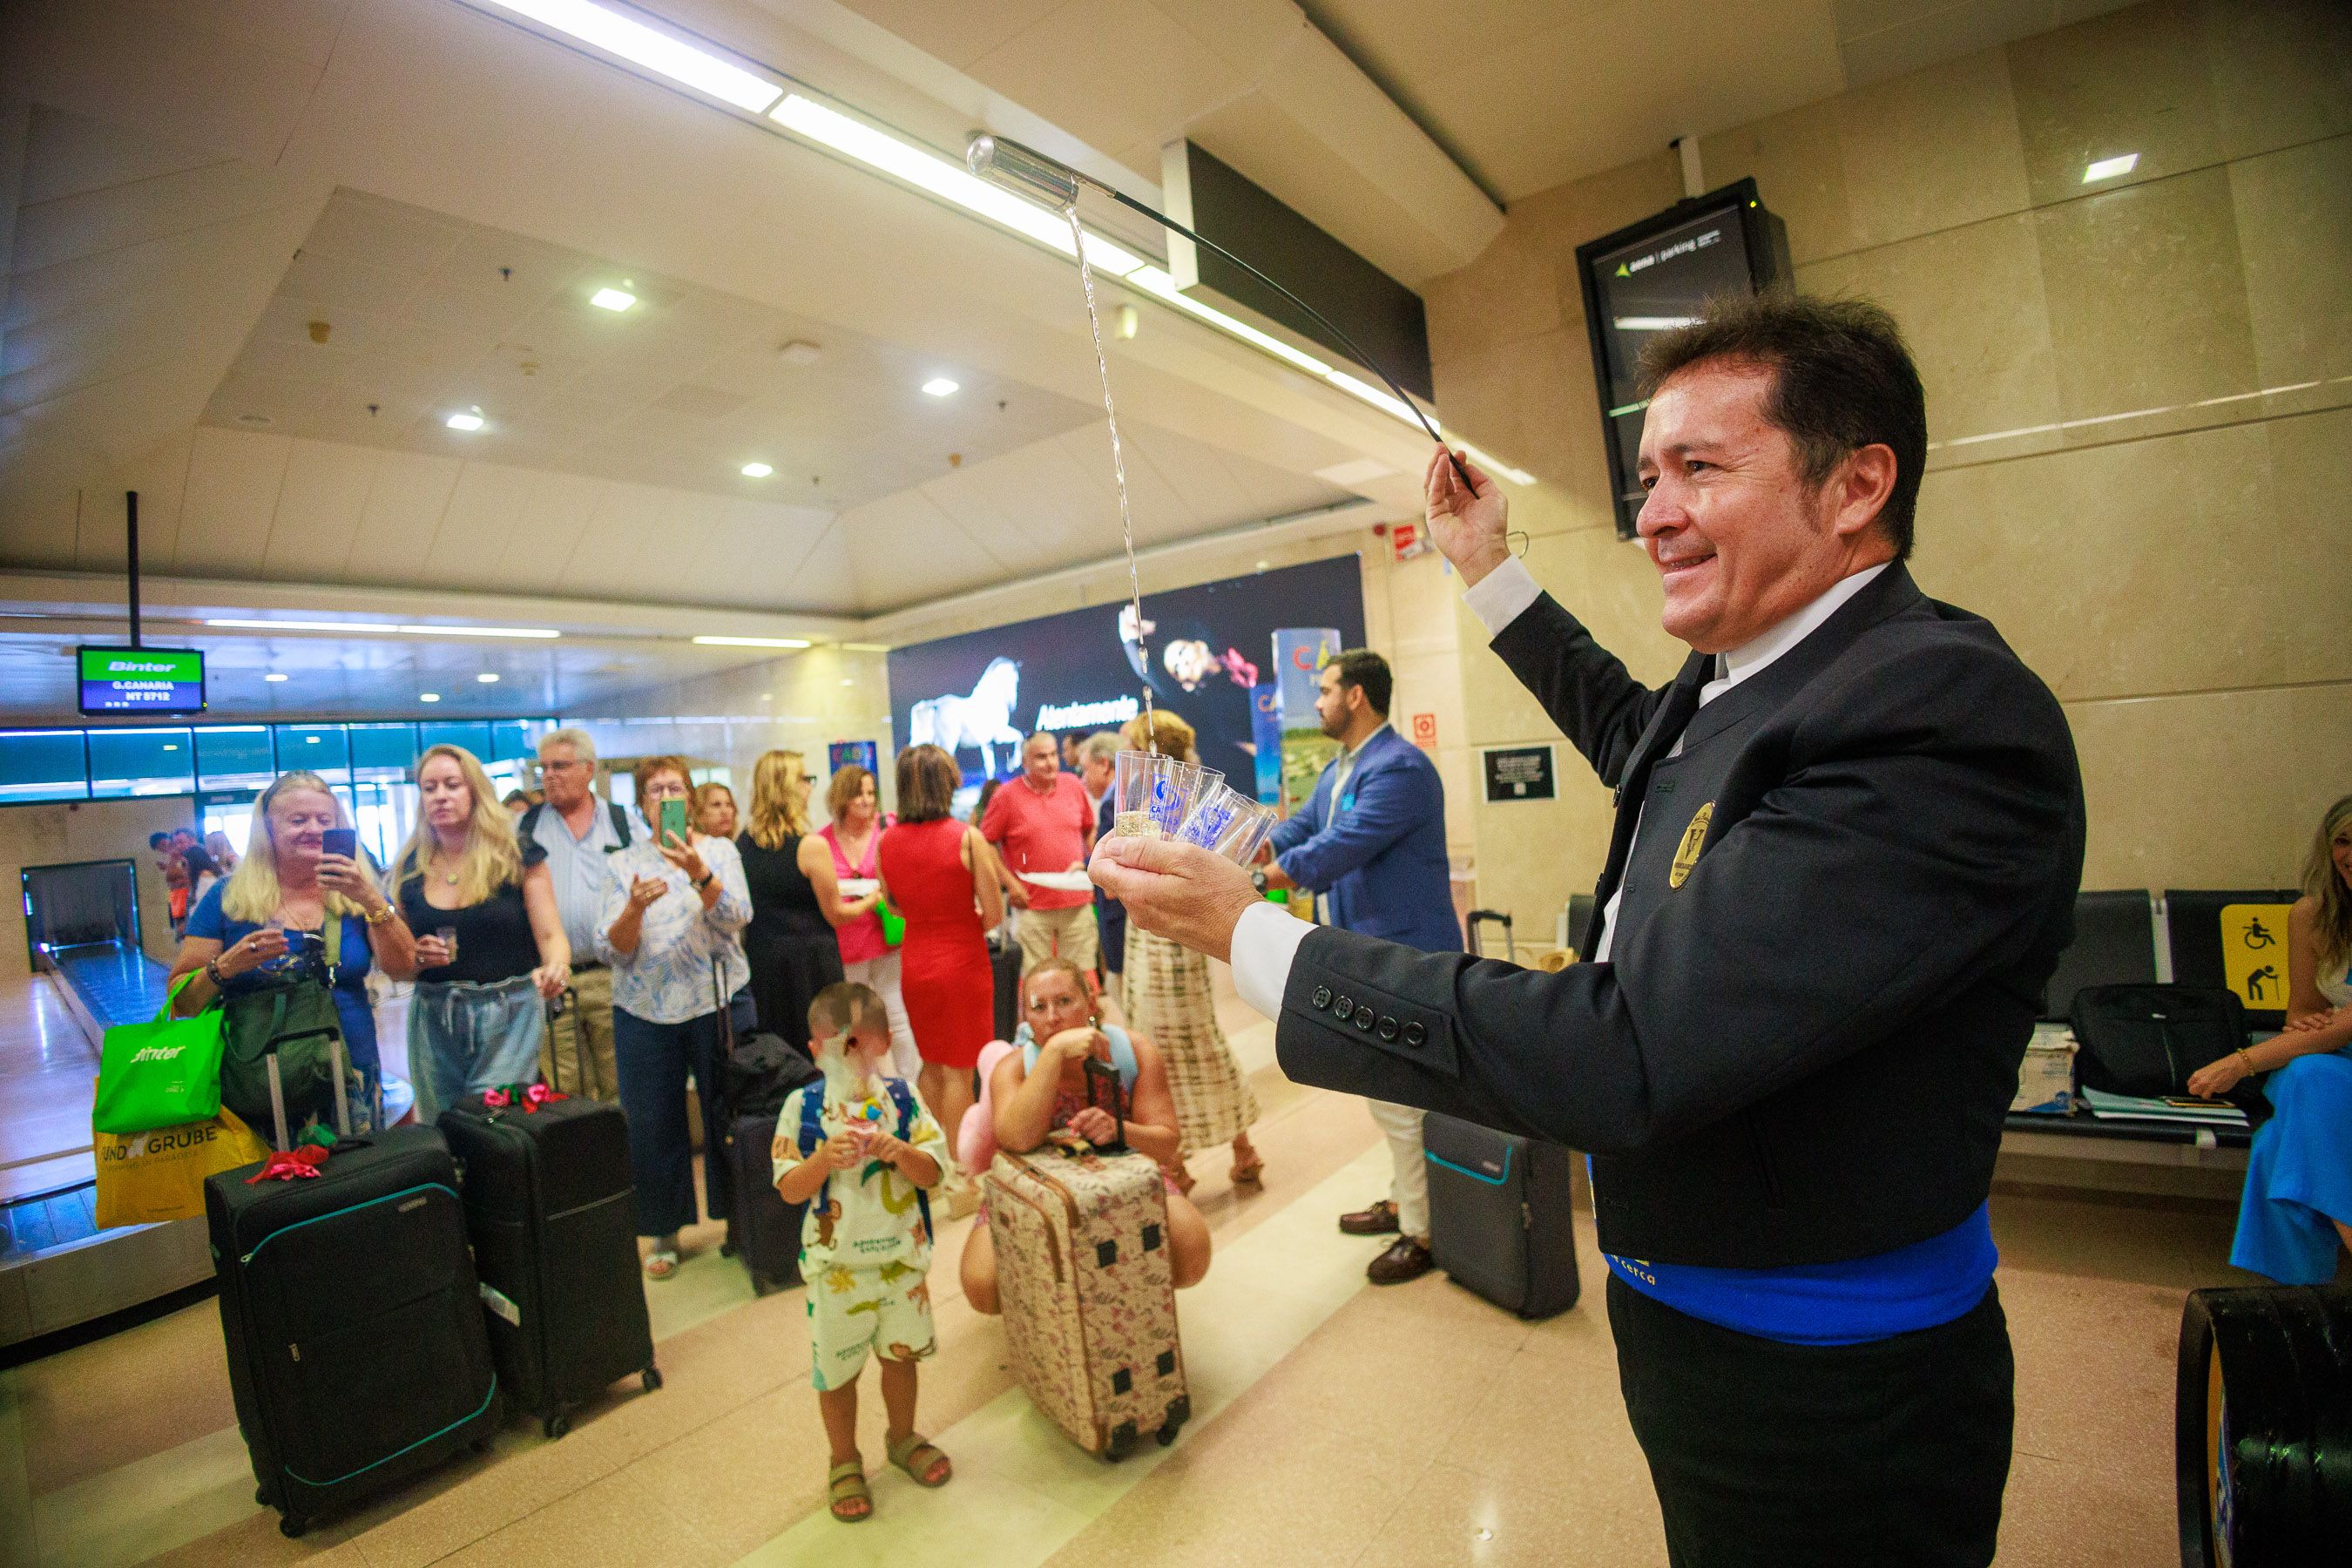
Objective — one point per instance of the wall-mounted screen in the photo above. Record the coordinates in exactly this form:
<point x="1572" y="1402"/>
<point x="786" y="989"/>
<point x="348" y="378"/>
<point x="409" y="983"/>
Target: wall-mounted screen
<point x="1656" y="275"/>
<point x="141" y="680"/>
<point x="979" y="695"/>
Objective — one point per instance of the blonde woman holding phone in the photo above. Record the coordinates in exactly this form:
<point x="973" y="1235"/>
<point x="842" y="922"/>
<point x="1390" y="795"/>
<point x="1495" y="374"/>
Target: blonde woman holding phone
<point x="300" y="869"/>
<point x="790" y="940"/>
<point x="490" y="950"/>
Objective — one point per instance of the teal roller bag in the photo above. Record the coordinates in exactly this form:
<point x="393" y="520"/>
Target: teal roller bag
<point x="159" y="1073"/>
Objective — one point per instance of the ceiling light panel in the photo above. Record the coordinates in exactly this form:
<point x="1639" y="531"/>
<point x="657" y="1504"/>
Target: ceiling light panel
<point x="939" y="386"/>
<point x="612" y="299"/>
<point x="466" y="421"/>
<point x="632" y="40"/>
<point x="2108" y="168"/>
<point x="752" y="642"/>
<point x="757" y="470"/>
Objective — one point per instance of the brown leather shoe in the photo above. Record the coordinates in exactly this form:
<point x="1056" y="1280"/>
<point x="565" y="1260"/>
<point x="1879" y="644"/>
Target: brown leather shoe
<point x="1381" y="1219"/>
<point x="1407" y="1259"/>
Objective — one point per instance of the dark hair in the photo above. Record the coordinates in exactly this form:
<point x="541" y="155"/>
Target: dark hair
<point x="979" y="803"/>
<point x="157" y="840"/>
<point x="1361" y="666"/>
<point x="1842" y="380"/>
<point x="928" y="778"/>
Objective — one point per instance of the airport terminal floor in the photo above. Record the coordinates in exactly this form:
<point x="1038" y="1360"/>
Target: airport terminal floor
<point x="1337" y="1422"/>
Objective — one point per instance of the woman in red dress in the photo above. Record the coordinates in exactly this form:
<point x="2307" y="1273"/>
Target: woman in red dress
<point x="936" y="871"/>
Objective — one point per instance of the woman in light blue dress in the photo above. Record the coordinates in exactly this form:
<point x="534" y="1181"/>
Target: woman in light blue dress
<point x="2297" y="1207"/>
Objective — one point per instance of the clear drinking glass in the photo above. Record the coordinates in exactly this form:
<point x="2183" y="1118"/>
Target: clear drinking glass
<point x="1222" y="819"/>
<point x="1139" y="778"/>
<point x="448" y="935"/>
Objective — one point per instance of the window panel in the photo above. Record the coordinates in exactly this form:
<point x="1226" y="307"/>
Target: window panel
<point x="383" y="751"/>
<point x="43" y="765"/>
<point x="233" y="756"/>
<point x="125" y="763"/>
<point x="324" y="748"/>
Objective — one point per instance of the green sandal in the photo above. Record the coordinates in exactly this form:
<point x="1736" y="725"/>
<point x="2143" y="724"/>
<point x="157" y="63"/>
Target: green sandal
<point x="933" y="1471"/>
<point x="845" y="1484"/>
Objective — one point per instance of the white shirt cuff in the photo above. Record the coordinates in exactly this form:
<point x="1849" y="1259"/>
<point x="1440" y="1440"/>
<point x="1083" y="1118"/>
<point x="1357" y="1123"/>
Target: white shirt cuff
<point x="1503" y="595"/>
<point x="1266" y="945"/>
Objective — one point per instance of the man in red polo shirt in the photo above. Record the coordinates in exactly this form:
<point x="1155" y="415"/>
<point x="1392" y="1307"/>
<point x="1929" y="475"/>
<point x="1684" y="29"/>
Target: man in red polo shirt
<point x="1039" y="822"/>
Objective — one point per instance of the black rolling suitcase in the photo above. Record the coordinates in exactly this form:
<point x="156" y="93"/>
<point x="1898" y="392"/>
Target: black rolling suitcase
<point x="1500" y="1215"/>
<point x="356" y="1351"/>
<point x="1005" y="966"/>
<point x="762" y="1229"/>
<point x="552" y="1214"/>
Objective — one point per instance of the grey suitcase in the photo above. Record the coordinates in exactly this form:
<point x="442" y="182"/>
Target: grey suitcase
<point x="1500" y="1215"/>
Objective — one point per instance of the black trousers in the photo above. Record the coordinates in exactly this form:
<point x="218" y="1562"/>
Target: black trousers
<point x="1885" y="1455"/>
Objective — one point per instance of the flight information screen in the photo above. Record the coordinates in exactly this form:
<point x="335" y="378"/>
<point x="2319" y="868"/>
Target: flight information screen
<point x="141" y="679"/>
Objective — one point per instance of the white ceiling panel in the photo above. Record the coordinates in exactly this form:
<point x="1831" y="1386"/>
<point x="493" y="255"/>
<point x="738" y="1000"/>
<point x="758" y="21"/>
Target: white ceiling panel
<point x="404" y="503"/>
<point x="903" y="549"/>
<point x="320" y="508"/>
<point x="233" y="482"/>
<point x="160" y="475"/>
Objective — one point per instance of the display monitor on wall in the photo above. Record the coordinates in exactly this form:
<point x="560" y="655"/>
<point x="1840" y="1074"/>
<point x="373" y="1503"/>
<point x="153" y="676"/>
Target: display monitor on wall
<point x="141" y="680"/>
<point x="1656" y="275"/>
<point x="979" y="695"/>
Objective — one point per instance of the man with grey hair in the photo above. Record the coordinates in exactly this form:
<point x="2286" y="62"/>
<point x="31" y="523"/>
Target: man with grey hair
<point x="1040" y="824"/>
<point x="1097" y="762"/>
<point x="578" y="831"/>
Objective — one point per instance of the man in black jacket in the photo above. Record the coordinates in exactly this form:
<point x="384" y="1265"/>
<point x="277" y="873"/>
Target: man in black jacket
<point x="1846" y="851"/>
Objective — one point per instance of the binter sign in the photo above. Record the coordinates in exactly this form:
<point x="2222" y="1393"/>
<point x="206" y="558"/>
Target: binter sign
<point x="141" y="680"/>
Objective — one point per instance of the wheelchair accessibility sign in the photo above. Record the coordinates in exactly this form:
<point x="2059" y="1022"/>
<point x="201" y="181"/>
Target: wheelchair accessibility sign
<point x="2254" y="953"/>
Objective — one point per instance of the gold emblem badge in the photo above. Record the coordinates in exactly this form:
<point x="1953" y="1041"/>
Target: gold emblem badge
<point x="1687" y="852"/>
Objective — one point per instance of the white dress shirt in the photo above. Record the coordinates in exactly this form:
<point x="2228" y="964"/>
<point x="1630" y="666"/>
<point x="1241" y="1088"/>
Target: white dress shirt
<point x="1267" y="939"/>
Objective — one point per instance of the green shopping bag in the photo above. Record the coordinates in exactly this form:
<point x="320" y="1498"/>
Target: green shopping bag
<point x="159" y="1074"/>
<point x="894" y="924"/>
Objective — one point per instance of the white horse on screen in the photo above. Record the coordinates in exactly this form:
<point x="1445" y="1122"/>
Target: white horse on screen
<point x="982" y="721"/>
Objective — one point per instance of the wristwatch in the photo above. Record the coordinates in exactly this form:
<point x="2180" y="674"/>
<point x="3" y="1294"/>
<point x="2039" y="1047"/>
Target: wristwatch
<point x="708" y="878"/>
<point x="379" y="917"/>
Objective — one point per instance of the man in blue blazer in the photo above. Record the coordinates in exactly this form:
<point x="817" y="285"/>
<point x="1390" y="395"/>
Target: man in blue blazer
<point x="1371" y="841"/>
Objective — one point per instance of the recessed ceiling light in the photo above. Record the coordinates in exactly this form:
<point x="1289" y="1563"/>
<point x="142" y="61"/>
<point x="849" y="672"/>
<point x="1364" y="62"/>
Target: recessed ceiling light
<point x="612" y="299"/>
<point x="2108" y="168"/>
<point x="845" y="680"/>
<point x="938" y="387"/>
<point x="310" y="739"/>
<point x="757" y="470"/>
<point x="752" y="642"/>
<point x="428" y="697"/>
<point x="169" y="747"/>
<point x="275" y="675"/>
<point x="488" y="678"/>
<point x="465" y="419"/>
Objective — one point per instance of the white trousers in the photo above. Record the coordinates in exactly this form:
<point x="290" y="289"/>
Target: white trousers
<point x="882" y="973"/>
<point x="1408" y="1168"/>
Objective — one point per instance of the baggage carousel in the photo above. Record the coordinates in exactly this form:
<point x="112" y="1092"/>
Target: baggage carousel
<point x="57" y="1270"/>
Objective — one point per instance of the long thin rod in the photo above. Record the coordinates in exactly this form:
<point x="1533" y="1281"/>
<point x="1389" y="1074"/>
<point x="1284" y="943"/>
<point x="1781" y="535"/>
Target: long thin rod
<point x="1328" y="325"/>
<point x="130" y="523"/>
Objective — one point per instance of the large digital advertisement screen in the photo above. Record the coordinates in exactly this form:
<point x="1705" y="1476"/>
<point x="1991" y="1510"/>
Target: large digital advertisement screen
<point x="978" y="695"/>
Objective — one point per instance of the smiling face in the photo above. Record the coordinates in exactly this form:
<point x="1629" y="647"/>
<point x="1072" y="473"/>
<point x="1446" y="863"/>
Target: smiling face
<point x="863" y="807"/>
<point x="444" y="797"/>
<point x="1742" y="542"/>
<point x="297" y="819"/>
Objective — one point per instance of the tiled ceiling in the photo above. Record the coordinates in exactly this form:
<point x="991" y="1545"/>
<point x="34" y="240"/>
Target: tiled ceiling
<point x="425" y="315"/>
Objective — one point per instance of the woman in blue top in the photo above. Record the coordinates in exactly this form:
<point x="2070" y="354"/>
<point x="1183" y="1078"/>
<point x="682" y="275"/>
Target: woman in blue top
<point x="2297" y="1206"/>
<point x="286" y="883"/>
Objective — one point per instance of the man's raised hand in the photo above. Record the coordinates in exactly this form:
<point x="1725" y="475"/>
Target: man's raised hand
<point x="1468" y="524"/>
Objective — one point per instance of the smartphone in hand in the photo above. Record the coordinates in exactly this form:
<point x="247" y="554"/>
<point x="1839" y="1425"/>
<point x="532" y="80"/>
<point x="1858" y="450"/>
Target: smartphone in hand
<point x="342" y="841"/>
<point x="672" y="821"/>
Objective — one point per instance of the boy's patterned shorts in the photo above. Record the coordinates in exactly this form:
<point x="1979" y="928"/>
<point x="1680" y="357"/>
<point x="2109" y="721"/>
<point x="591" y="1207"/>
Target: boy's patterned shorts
<point x="886" y="1308"/>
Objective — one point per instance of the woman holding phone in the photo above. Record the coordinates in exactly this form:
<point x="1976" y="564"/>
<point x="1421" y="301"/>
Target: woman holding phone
<point x="671" y="928"/>
<point x="300" y="869"/>
<point x="490" y="951"/>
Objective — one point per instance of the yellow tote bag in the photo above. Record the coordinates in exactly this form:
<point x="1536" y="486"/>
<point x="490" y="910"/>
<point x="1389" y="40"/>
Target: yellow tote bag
<point x="145" y="1178"/>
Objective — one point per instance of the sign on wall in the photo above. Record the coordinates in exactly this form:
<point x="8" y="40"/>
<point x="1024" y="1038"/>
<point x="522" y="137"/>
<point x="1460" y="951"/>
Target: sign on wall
<point x="1519" y="773"/>
<point x="141" y="680"/>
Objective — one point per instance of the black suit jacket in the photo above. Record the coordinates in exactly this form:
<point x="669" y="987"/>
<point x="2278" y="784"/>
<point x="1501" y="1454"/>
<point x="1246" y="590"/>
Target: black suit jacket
<point x="1821" y="984"/>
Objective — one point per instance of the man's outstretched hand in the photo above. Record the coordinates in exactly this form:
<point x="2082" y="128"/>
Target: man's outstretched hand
<point x="1182" y="891"/>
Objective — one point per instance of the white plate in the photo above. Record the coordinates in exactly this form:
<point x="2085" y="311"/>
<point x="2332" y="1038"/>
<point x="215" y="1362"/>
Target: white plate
<point x="1059" y="881"/>
<point x="859" y="887"/>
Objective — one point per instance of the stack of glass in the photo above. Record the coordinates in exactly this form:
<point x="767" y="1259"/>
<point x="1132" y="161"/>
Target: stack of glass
<point x="1159" y="797"/>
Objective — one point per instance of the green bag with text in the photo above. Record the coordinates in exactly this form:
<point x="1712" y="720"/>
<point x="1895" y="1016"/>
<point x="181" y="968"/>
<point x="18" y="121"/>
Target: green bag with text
<point x="159" y="1073"/>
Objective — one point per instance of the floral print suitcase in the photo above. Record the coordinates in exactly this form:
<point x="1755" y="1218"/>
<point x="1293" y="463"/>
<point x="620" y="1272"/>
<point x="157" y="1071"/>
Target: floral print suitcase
<point x="1088" y="1300"/>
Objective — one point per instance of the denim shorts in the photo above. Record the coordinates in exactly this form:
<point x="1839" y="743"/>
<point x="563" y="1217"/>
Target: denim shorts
<point x="465" y="1037"/>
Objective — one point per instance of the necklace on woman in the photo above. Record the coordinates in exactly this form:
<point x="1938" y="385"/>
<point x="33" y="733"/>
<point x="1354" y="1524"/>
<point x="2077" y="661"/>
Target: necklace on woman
<point x="448" y="877"/>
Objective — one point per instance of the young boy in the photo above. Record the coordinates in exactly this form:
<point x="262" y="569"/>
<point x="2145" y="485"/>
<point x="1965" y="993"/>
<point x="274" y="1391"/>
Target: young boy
<point x="862" y="1152"/>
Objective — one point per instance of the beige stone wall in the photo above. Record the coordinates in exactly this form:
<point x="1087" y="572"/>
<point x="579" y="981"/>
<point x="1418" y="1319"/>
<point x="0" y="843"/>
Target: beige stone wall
<point x="65" y="833"/>
<point x="2139" y="395"/>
